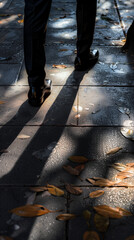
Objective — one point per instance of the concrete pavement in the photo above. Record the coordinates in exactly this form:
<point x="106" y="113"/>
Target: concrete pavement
<point x="83" y="116"/>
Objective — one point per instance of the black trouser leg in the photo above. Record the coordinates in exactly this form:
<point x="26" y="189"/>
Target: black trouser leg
<point x="35" y="24"/>
<point x="85" y="16"/>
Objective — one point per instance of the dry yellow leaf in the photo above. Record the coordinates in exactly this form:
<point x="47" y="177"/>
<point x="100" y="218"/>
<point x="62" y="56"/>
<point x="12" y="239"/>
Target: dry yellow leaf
<point x="101" y="223"/>
<point x="78" y="159"/>
<point x="96" y="194"/>
<point x="73" y="190"/>
<point x="65" y="217"/>
<point x="5" y="238"/>
<point x="114" y="150"/>
<point x="2" y="102"/>
<point x="91" y="235"/>
<point x="38" y="189"/>
<point x="60" y="66"/>
<point x="71" y="170"/>
<point x="30" y="210"/>
<point x="101" y="182"/>
<point x="55" y="191"/>
<point x="107" y="211"/>
<point x="119" y="166"/>
<point x="23" y="136"/>
<point x="123" y="40"/>
<point x="123" y="175"/>
<point x="21" y="21"/>
<point x="130" y="164"/>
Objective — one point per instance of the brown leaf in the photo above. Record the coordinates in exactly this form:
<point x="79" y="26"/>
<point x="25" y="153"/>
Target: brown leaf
<point x="63" y="50"/>
<point x="2" y="102"/>
<point x="30" y="210"/>
<point x="130" y="237"/>
<point x="119" y="166"/>
<point x="101" y="222"/>
<point x="123" y="175"/>
<point x="96" y="194"/>
<point x="23" y="136"/>
<point x="102" y="182"/>
<point x="71" y="170"/>
<point x="87" y="215"/>
<point x="55" y="191"/>
<point x="65" y="216"/>
<point x="73" y="190"/>
<point x="38" y="189"/>
<point x="5" y="238"/>
<point x="91" y="235"/>
<point x="80" y="167"/>
<point x="114" y="150"/>
<point x="130" y="164"/>
<point x="59" y="66"/>
<point x="91" y="180"/>
<point x="78" y="159"/>
<point x="124" y="212"/>
<point x="21" y="21"/>
<point x="107" y="211"/>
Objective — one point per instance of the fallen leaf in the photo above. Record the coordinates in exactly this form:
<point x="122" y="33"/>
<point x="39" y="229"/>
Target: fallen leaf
<point x="21" y="21"/>
<point x="87" y="215"/>
<point x="38" y="189"/>
<point x="65" y="217"/>
<point x="71" y="170"/>
<point x="124" y="212"/>
<point x="63" y="50"/>
<point x="73" y="190"/>
<point x="130" y="164"/>
<point x="101" y="222"/>
<point x="107" y="211"/>
<point x="23" y="136"/>
<point x="80" y="167"/>
<point x="77" y="116"/>
<point x="30" y="210"/>
<point x="123" y="40"/>
<point x="91" y="235"/>
<point x="119" y="166"/>
<point x="2" y="102"/>
<point x="114" y="150"/>
<point x="60" y="66"/>
<point x="123" y="175"/>
<point x="78" y="159"/>
<point x="55" y="191"/>
<point x="5" y="238"/>
<point x="130" y="237"/>
<point x="4" y="15"/>
<point x="102" y="182"/>
<point x="96" y="194"/>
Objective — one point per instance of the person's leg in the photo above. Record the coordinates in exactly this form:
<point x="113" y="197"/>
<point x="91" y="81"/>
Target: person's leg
<point x="35" y="23"/>
<point x="85" y="16"/>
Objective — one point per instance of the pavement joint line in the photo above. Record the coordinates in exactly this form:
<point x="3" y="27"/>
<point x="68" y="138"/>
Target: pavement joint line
<point x="65" y="126"/>
<point x="103" y="86"/>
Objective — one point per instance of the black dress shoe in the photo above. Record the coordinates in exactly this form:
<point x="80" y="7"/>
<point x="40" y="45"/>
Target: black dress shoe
<point x="86" y="62"/>
<point x="37" y="95"/>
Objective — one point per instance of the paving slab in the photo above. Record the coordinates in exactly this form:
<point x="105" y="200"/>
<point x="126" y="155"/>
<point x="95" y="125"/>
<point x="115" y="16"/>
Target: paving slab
<point x="9" y="73"/>
<point x="15" y="109"/>
<point x="11" y="53"/>
<point x="44" y="159"/>
<point x="98" y="103"/>
<point x="115" y="197"/>
<point x="12" y="36"/>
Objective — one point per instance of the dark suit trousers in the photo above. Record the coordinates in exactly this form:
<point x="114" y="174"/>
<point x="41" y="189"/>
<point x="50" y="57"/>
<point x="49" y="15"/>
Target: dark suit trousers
<point x="35" y="25"/>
